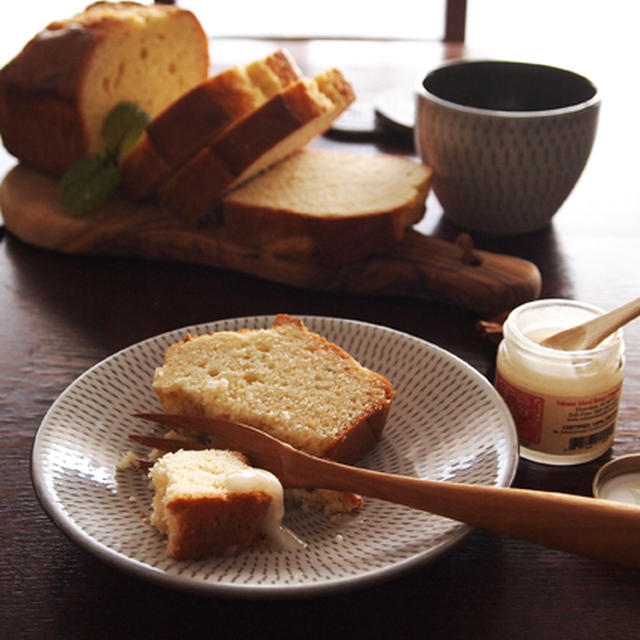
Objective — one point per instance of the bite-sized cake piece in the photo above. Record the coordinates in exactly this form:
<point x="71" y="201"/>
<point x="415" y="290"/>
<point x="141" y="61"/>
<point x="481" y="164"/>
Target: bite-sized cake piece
<point x="286" y="380"/>
<point x="56" y="93"/>
<point x="330" y="503"/>
<point x="210" y="502"/>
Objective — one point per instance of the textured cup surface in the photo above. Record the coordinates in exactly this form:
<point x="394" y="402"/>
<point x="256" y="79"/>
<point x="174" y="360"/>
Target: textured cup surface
<point x="507" y="141"/>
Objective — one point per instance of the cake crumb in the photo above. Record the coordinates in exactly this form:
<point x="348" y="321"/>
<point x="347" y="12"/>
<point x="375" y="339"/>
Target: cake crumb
<point x="127" y="461"/>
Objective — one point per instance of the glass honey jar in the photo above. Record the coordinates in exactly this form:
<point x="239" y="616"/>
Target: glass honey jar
<point x="564" y="403"/>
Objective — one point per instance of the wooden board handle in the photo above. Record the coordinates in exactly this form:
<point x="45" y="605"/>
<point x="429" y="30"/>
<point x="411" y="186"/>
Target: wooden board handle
<point x="434" y="269"/>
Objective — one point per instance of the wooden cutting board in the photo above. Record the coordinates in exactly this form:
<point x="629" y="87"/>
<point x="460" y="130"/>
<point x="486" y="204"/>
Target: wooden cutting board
<point x="420" y="266"/>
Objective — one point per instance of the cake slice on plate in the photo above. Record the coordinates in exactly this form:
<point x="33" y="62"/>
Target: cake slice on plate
<point x="285" y="380"/>
<point x="211" y="502"/>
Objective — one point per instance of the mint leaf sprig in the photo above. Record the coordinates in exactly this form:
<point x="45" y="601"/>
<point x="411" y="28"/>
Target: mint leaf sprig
<point x="89" y="181"/>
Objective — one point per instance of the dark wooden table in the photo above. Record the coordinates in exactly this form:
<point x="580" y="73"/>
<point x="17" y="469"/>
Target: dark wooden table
<point x="60" y="314"/>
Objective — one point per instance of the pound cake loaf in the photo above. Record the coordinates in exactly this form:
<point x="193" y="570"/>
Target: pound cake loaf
<point x="329" y="205"/>
<point x="211" y="502"/>
<point x="196" y="118"/>
<point x="56" y="93"/>
<point x="285" y="380"/>
<point x="282" y="125"/>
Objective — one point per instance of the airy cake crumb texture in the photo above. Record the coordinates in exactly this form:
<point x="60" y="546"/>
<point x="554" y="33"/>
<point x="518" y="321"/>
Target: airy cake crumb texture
<point x="189" y="475"/>
<point x="286" y="380"/>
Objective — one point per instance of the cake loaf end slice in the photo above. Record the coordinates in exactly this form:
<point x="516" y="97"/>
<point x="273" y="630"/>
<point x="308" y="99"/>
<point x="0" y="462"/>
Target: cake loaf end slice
<point x="56" y="93"/>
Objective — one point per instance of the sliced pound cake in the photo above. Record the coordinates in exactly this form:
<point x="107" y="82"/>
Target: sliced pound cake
<point x="285" y="380"/>
<point x="192" y="121"/>
<point x="211" y="502"/>
<point x="282" y="125"/>
<point x="329" y="205"/>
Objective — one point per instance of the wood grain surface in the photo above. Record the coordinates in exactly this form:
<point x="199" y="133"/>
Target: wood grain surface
<point x="420" y="265"/>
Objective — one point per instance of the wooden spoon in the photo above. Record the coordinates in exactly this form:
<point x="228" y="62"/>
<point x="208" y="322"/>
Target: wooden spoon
<point x="591" y="333"/>
<point x="591" y="527"/>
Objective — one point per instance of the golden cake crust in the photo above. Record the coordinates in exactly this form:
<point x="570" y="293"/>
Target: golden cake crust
<point x="209" y="527"/>
<point x="279" y="127"/>
<point x="193" y="120"/>
<point x="56" y="93"/>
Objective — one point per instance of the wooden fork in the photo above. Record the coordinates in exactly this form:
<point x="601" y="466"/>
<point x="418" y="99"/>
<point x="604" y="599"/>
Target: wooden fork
<point x="592" y="527"/>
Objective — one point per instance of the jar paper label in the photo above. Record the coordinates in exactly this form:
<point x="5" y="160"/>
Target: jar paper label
<point x="562" y="425"/>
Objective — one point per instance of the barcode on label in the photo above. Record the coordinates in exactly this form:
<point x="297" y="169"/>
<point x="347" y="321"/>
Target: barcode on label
<point x="583" y="442"/>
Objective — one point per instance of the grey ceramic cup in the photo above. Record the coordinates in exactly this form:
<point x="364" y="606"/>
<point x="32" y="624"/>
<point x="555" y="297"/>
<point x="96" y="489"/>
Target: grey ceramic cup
<point x="507" y="141"/>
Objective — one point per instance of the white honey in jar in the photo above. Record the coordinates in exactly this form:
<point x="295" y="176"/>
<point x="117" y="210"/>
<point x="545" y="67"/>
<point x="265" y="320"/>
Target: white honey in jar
<point x="564" y="403"/>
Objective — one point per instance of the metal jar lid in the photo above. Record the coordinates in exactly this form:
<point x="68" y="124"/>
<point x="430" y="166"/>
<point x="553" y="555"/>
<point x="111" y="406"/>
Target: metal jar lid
<point x="619" y="480"/>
